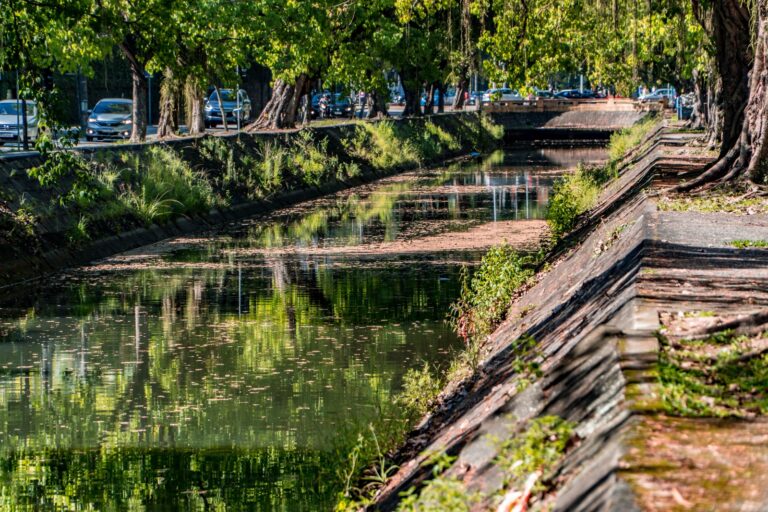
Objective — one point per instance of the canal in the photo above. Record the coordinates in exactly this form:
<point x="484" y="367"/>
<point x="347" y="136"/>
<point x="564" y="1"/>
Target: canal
<point x="225" y="371"/>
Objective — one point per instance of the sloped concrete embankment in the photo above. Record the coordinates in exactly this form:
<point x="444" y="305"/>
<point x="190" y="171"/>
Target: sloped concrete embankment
<point x="566" y="125"/>
<point x="595" y="315"/>
<point x="49" y="248"/>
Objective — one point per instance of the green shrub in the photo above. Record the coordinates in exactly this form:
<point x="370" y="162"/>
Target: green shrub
<point x="157" y="184"/>
<point x="420" y="388"/>
<point x="486" y="296"/>
<point x="384" y="145"/>
<point x="441" y="493"/>
<point x="539" y="448"/>
<point x="572" y="195"/>
<point x="623" y="141"/>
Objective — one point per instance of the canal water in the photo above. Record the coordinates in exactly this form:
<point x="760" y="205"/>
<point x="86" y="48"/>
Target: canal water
<point x="221" y="372"/>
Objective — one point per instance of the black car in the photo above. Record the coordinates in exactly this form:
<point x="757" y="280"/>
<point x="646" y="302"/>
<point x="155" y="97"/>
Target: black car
<point x="337" y="105"/>
<point x="234" y="105"/>
<point x="575" y="94"/>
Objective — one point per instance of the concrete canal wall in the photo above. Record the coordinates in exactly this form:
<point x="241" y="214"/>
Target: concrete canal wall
<point x="595" y="316"/>
<point x="43" y="245"/>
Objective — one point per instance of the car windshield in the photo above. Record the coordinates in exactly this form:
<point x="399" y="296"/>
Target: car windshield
<point x="112" y="107"/>
<point x="12" y="108"/>
<point x="226" y="95"/>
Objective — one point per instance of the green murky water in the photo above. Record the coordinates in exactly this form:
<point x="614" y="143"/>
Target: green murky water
<point x="219" y="372"/>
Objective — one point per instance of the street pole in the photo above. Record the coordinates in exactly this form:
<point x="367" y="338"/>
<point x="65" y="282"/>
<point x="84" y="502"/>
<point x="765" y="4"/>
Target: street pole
<point x="149" y="104"/>
<point x="18" y="116"/>
<point x="237" y="97"/>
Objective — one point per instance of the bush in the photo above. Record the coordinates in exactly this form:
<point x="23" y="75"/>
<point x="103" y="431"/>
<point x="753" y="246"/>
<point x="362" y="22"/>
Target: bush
<point x="420" y="388"/>
<point x="623" y="141"/>
<point x="572" y="195"/>
<point x="486" y="296"/>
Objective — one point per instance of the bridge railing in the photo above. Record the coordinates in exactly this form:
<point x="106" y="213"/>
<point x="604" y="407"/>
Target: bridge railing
<point x="566" y="105"/>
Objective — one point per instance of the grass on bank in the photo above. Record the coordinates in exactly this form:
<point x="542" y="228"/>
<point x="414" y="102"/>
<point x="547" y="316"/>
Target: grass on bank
<point x="118" y="190"/>
<point x="578" y="192"/>
<point x="540" y="446"/>
<point x="723" y="375"/>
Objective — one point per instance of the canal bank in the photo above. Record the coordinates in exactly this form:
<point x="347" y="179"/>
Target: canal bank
<point x="618" y="415"/>
<point x="100" y="202"/>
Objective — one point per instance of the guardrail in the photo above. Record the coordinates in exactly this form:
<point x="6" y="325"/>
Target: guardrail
<point x="566" y="105"/>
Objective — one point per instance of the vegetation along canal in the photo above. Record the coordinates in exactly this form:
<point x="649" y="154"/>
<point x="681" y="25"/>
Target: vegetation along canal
<point x="234" y="369"/>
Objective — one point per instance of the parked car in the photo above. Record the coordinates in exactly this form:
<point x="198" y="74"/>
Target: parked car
<point x="337" y="104"/>
<point x="543" y="93"/>
<point x="341" y="106"/>
<point x="235" y="104"/>
<point x="12" y="123"/>
<point x="666" y="95"/>
<point x="474" y="97"/>
<point x="448" y="98"/>
<point x="575" y="94"/>
<point x="110" y="118"/>
<point x="503" y="94"/>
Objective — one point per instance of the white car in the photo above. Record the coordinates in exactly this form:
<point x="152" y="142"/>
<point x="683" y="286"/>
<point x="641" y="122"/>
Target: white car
<point x="503" y="94"/>
<point x="110" y="119"/>
<point x="12" y="122"/>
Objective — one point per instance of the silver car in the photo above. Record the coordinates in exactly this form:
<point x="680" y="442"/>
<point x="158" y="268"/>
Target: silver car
<point x="235" y="105"/>
<point x="109" y="119"/>
<point x="12" y="122"/>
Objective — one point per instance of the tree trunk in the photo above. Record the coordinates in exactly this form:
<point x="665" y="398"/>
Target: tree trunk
<point x="139" y="86"/>
<point x="281" y="109"/>
<point x="755" y="132"/>
<point x="429" y="104"/>
<point x="699" y="117"/>
<point x="24" y="125"/>
<point x="733" y="93"/>
<point x="377" y="105"/>
<point x="194" y="100"/>
<point x="166" y="124"/>
<point x="221" y="108"/>
<point x="462" y="89"/>
<point x="412" y="99"/>
<point x="440" y="98"/>
<point x="731" y="25"/>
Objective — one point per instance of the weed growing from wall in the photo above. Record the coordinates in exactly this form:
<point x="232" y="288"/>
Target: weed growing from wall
<point x="486" y="295"/>
<point x="579" y="192"/>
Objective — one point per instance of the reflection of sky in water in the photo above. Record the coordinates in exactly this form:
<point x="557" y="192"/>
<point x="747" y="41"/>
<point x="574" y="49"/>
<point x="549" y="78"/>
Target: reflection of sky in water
<point x="252" y="364"/>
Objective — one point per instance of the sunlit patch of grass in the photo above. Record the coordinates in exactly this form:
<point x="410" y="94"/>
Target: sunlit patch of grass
<point x="722" y="375"/>
<point x="624" y="141"/>
<point x="746" y="244"/>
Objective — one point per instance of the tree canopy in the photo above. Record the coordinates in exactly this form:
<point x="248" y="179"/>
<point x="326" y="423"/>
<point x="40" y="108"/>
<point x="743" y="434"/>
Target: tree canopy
<point x="426" y="44"/>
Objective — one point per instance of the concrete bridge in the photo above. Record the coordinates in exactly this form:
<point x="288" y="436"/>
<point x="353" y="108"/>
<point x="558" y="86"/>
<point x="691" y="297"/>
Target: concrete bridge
<point x="547" y="119"/>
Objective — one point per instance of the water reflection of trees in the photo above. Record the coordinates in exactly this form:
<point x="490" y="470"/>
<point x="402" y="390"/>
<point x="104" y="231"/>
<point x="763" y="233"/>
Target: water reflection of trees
<point x="166" y="479"/>
<point x="307" y="342"/>
<point x="115" y="388"/>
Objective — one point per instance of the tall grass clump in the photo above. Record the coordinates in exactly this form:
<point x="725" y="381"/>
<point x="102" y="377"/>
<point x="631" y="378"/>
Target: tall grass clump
<point x="486" y="295"/>
<point x="573" y="195"/>
<point x="384" y="145"/>
<point x="579" y="192"/>
<point x="160" y="185"/>
<point x="623" y="141"/>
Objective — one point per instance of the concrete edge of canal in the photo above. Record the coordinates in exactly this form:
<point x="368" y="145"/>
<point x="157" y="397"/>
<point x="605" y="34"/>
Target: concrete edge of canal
<point x="595" y="316"/>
